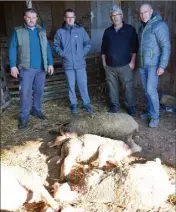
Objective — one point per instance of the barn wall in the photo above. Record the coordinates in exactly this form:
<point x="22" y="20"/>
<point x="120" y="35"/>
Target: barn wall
<point x="167" y="10"/>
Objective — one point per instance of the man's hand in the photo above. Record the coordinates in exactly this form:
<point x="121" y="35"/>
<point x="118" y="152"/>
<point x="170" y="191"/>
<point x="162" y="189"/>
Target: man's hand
<point x="132" y="65"/>
<point x="160" y="71"/>
<point x="50" y="69"/>
<point x="14" y="72"/>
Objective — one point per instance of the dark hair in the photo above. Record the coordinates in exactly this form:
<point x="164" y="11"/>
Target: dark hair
<point x="69" y="11"/>
<point x="30" y="10"/>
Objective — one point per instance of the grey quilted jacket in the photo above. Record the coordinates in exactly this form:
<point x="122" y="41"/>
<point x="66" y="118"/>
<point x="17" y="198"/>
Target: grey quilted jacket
<point x="154" y="43"/>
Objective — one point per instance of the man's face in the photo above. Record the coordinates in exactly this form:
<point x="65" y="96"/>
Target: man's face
<point x="116" y="18"/>
<point x="30" y="19"/>
<point x="69" y="18"/>
<point x="145" y="13"/>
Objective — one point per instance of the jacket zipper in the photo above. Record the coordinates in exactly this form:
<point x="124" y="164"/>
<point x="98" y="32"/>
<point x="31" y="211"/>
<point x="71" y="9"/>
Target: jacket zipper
<point x="142" y="62"/>
<point x="151" y="53"/>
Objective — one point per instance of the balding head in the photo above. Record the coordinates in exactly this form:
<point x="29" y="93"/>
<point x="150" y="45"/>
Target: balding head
<point x="146" y="12"/>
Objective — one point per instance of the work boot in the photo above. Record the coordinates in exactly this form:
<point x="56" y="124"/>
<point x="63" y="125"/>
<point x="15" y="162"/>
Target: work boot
<point x="22" y="124"/>
<point x="74" y="108"/>
<point x="88" y="108"/>
<point x="113" y="109"/>
<point x="154" y="123"/>
<point x="39" y="115"/>
<point x="132" y="111"/>
<point x="145" y="116"/>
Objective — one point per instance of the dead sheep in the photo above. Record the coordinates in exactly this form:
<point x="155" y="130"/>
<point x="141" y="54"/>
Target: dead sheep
<point x="18" y="186"/>
<point x="136" y="187"/>
<point x="65" y="209"/>
<point x="146" y="187"/>
<point x="93" y="178"/>
<point x="88" y="147"/>
<point x="120" y="126"/>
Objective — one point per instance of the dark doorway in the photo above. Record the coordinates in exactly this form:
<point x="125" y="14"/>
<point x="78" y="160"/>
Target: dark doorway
<point x="2" y="20"/>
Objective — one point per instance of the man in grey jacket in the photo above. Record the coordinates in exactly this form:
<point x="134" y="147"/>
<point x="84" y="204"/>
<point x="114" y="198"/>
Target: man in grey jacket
<point x="72" y="43"/>
<point x="154" y="53"/>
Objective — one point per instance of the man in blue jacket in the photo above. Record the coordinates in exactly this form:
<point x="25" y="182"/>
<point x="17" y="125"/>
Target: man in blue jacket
<point x="119" y="48"/>
<point x="72" y="43"/>
<point x="154" y="53"/>
<point x="30" y="57"/>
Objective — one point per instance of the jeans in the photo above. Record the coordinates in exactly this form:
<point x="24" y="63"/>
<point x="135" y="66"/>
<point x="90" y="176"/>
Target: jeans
<point x="79" y="76"/>
<point x="149" y="80"/>
<point x="31" y="81"/>
<point x="125" y="75"/>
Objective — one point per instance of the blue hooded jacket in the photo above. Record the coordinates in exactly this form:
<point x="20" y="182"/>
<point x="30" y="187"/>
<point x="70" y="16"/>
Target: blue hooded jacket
<point x="154" y="43"/>
<point x="72" y="43"/>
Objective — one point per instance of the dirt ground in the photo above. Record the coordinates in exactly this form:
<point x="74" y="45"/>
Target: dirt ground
<point x="158" y="142"/>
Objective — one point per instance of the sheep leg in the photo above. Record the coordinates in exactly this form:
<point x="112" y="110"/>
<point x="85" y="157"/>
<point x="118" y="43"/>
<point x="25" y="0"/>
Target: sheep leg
<point x="69" y="162"/>
<point x="32" y="182"/>
<point x="48" y="198"/>
<point x="102" y="156"/>
<point x="133" y="146"/>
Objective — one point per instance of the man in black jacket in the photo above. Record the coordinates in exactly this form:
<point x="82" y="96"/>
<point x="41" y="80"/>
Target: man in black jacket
<point x="119" y="48"/>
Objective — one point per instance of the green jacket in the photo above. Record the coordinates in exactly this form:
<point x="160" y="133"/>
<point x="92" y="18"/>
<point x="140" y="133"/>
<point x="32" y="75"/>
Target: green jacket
<point x="24" y="46"/>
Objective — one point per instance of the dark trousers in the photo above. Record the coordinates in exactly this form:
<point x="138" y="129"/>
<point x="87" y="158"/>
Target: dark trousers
<point x="124" y="74"/>
<point x="31" y="81"/>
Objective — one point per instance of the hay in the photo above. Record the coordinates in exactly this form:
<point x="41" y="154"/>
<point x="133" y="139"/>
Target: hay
<point x="27" y="156"/>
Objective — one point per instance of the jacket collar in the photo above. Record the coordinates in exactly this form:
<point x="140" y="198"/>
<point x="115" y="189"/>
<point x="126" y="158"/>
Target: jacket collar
<point x="68" y="27"/>
<point x="36" y="26"/>
<point x="112" y="26"/>
<point x="155" y="17"/>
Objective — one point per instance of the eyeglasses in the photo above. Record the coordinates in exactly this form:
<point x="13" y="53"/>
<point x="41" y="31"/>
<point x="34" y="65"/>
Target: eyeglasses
<point x="116" y="15"/>
<point x="70" y="17"/>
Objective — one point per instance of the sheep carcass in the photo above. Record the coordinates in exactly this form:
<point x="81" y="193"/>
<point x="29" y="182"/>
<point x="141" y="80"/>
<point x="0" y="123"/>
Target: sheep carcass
<point x="120" y="126"/>
<point x="16" y="185"/>
<point x="86" y="147"/>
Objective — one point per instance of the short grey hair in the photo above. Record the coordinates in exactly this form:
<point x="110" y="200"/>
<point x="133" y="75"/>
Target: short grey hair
<point x="146" y="4"/>
<point x="116" y="8"/>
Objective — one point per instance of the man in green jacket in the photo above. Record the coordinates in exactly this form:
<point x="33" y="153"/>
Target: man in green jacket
<point x="30" y="57"/>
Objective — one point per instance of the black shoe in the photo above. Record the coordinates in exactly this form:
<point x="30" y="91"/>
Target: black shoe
<point x="132" y="111"/>
<point x="22" y="124"/>
<point x="39" y="115"/>
<point x="113" y="109"/>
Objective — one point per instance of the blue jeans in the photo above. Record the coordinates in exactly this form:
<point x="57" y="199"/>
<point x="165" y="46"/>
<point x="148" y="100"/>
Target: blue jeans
<point x="150" y="82"/>
<point x="79" y="76"/>
<point x="31" y="81"/>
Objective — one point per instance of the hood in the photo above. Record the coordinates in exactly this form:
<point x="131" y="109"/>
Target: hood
<point x="155" y="17"/>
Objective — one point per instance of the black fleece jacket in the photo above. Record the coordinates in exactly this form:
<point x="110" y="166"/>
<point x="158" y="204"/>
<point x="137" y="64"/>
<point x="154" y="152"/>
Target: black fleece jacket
<point x="119" y="46"/>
